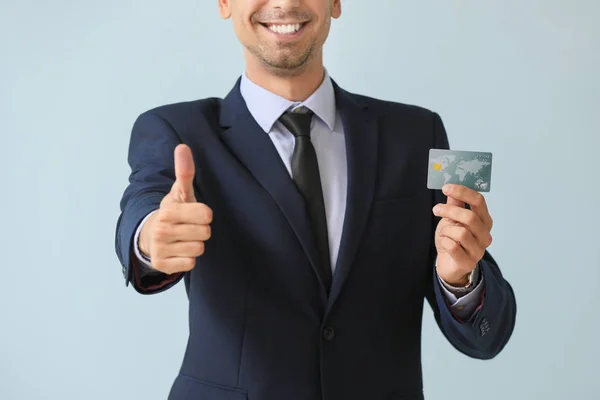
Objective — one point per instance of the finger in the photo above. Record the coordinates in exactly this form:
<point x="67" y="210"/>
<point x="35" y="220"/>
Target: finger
<point x="174" y="264"/>
<point x="468" y="218"/>
<point x="184" y="174"/>
<point x="186" y="213"/>
<point x="455" y="202"/>
<point x="171" y="233"/>
<point x="465" y="238"/>
<point x="476" y="200"/>
<point x="180" y="249"/>
<point x="455" y="250"/>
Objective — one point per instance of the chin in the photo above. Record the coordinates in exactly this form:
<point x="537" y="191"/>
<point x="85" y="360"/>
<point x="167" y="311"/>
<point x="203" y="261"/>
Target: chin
<point x="288" y="57"/>
<point x="289" y="63"/>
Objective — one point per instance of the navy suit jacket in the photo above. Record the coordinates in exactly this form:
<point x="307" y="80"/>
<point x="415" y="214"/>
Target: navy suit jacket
<point x="262" y="326"/>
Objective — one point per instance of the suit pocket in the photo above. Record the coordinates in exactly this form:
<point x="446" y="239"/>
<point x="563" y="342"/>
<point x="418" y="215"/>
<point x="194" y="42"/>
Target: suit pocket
<point x="189" y="388"/>
<point x="399" y="205"/>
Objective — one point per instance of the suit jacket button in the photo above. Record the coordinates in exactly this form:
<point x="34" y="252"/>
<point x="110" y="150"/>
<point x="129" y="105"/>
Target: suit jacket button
<point x="124" y="271"/>
<point x="484" y="327"/>
<point x="328" y="333"/>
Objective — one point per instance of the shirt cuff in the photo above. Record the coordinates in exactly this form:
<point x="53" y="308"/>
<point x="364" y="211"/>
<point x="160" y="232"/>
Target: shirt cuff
<point x="461" y="291"/>
<point x="145" y="265"/>
<point x="465" y="306"/>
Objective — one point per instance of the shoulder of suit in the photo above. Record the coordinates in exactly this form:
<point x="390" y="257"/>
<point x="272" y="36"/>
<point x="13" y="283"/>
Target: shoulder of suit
<point x="186" y="108"/>
<point x="187" y="114"/>
<point x="394" y="108"/>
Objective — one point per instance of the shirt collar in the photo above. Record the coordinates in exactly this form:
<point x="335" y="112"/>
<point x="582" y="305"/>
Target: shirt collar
<point x="266" y="107"/>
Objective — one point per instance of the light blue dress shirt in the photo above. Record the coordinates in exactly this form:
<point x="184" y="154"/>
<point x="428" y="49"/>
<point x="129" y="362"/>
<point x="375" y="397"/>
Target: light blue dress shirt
<point x="327" y="136"/>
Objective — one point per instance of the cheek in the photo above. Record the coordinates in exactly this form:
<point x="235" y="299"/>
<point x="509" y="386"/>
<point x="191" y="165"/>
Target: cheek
<point x="251" y="7"/>
<point x="243" y="28"/>
<point x="323" y="31"/>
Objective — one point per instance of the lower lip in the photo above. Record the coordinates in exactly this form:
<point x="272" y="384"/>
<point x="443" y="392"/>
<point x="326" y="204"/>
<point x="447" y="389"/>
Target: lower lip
<point x="286" y="36"/>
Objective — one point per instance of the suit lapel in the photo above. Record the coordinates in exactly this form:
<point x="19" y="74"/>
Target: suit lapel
<point x="255" y="150"/>
<point x="360" y="132"/>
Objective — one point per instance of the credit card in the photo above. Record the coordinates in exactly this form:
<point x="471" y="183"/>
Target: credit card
<point x="472" y="169"/>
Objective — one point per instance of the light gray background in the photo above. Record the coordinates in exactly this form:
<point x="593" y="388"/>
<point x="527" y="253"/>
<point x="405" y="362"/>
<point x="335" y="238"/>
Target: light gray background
<point x="518" y="78"/>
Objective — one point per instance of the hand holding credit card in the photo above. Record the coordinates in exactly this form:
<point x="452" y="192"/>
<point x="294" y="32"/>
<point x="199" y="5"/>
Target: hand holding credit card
<point x="463" y="233"/>
<point x="472" y="169"/>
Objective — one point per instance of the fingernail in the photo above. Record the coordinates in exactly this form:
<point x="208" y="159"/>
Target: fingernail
<point x="436" y="209"/>
<point x="446" y="189"/>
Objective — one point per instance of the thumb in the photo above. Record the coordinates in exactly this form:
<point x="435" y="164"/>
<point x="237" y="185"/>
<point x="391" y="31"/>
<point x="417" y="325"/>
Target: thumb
<point x="183" y="188"/>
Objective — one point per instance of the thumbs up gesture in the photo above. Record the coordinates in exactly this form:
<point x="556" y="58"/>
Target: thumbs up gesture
<point x="182" y="190"/>
<point x="174" y="236"/>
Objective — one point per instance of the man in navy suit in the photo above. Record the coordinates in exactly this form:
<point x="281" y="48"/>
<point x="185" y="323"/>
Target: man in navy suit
<point x="298" y="216"/>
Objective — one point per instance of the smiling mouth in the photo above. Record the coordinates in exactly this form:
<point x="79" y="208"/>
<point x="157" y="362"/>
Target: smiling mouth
<point x="285" y="29"/>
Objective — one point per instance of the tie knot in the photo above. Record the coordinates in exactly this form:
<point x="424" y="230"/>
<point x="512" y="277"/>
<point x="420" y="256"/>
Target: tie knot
<point x="298" y="123"/>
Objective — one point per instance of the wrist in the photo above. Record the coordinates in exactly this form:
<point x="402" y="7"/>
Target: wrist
<point x="143" y="240"/>
<point x="459" y="282"/>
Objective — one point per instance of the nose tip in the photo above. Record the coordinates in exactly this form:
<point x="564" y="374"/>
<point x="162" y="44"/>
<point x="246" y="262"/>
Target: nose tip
<point x="284" y="4"/>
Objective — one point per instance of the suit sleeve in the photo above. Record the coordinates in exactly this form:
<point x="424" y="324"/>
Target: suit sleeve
<point x="151" y="160"/>
<point x="488" y="330"/>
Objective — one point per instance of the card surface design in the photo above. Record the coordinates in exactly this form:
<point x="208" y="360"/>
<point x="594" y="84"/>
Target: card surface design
<point x="472" y="169"/>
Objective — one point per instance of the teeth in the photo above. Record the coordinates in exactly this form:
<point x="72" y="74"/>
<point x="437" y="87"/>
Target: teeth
<point x="290" y="28"/>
